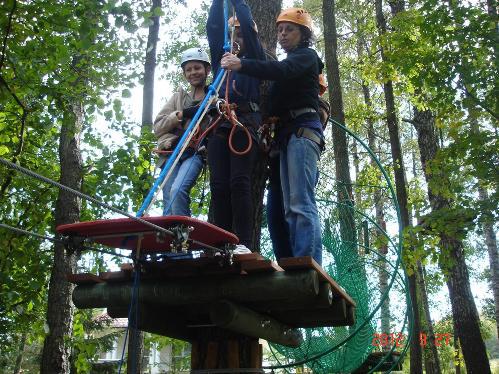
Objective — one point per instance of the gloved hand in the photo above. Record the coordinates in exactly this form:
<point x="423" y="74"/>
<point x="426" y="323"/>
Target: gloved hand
<point x="190" y="112"/>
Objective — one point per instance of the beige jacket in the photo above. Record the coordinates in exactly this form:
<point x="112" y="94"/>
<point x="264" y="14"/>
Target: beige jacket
<point x="167" y="121"/>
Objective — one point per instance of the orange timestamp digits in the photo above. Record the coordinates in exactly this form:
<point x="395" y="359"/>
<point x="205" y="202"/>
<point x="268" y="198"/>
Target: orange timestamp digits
<point x="397" y="339"/>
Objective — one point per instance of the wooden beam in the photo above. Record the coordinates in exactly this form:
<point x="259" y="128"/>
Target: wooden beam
<point x="300" y="287"/>
<point x="247" y="322"/>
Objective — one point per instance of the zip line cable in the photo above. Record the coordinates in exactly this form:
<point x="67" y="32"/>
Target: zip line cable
<point x="81" y="194"/>
<point x="59" y="241"/>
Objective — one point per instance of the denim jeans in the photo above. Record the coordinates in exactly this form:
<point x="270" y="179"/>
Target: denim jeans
<point x="276" y="221"/>
<point x="299" y="176"/>
<point x="176" y="191"/>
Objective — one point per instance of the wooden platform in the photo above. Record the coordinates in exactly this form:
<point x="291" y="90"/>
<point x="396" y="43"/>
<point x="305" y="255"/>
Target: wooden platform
<point x="185" y="298"/>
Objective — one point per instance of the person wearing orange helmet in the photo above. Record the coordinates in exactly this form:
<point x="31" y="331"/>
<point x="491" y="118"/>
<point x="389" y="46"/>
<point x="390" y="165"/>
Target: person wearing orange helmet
<point x="230" y="174"/>
<point x="295" y="99"/>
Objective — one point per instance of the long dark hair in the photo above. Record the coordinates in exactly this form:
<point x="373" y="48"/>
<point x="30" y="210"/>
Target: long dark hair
<point x="307" y="36"/>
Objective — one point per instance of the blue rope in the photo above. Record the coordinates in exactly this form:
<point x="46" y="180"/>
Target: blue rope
<point x="212" y="91"/>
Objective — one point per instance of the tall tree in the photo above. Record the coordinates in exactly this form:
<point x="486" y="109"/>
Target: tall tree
<point x="341" y="160"/>
<point x="401" y="190"/>
<point x="56" y="350"/>
<point x="464" y="311"/>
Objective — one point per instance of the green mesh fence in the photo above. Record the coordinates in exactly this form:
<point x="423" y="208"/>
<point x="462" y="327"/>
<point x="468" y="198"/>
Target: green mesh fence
<point x="364" y="258"/>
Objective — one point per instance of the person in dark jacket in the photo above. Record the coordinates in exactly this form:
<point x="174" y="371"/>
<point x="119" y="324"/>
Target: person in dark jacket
<point x="295" y="99"/>
<point x="230" y="173"/>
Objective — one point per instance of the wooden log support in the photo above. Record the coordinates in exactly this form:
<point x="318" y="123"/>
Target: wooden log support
<point x="300" y="287"/>
<point x="335" y="315"/>
<point x="249" y="323"/>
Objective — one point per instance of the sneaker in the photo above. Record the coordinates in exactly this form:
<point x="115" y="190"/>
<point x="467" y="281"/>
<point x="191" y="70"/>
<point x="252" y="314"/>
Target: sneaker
<point x="241" y="250"/>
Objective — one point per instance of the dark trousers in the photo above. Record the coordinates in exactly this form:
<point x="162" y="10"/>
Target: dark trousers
<point x="278" y="227"/>
<point x="230" y="183"/>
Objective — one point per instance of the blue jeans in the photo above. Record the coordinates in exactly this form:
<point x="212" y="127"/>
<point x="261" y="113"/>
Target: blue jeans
<point x="176" y="191"/>
<point x="299" y="176"/>
<point x="278" y="227"/>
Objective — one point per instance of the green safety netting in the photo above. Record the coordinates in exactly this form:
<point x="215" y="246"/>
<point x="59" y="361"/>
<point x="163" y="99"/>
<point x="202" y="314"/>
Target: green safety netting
<point x="364" y="259"/>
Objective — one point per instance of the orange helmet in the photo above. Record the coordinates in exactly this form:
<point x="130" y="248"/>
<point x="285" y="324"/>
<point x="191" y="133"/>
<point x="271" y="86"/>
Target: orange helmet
<point x="236" y="23"/>
<point x="322" y="84"/>
<point x="298" y="16"/>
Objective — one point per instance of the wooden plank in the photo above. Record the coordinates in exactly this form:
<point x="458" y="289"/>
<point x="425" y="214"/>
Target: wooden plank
<point x="295" y="263"/>
<point x="83" y="278"/>
<point x="233" y="354"/>
<point x="260" y="266"/>
<point x="256" y="354"/>
<point x="211" y="360"/>
<point x="195" y="355"/>
<point x="247" y="257"/>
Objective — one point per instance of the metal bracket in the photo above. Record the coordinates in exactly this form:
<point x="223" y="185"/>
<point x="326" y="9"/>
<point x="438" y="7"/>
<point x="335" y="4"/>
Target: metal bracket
<point x="180" y="241"/>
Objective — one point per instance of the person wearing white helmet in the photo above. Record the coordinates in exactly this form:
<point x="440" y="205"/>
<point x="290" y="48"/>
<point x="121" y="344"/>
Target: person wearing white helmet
<point x="170" y="125"/>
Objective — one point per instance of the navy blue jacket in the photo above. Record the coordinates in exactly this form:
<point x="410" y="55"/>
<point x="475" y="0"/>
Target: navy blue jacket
<point x="296" y="79"/>
<point x="246" y="88"/>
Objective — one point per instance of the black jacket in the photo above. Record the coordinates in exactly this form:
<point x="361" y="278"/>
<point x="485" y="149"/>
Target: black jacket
<point x="296" y="79"/>
<point x="241" y="88"/>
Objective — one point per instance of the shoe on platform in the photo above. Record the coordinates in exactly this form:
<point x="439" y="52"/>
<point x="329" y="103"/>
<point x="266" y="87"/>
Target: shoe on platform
<point x="241" y="250"/>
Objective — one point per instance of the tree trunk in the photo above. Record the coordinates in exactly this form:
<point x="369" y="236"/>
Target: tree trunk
<point x="464" y="312"/>
<point x="432" y="362"/>
<point x="56" y="348"/>
<point x="340" y="145"/>
<point x="380" y="218"/>
<point x="264" y="13"/>
<point x="400" y="184"/>
<point x="136" y="340"/>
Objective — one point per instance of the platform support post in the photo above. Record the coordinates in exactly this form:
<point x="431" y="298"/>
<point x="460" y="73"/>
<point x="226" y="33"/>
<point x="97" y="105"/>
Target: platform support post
<point x="226" y="351"/>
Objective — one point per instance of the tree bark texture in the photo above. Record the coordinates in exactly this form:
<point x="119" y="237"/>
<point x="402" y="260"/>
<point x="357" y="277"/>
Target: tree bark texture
<point x="383" y="274"/>
<point x="340" y="145"/>
<point x="56" y="348"/>
<point x="432" y="361"/>
<point x="264" y="13"/>
<point x="464" y="311"/>
<point x="149" y="69"/>
<point x="401" y="191"/>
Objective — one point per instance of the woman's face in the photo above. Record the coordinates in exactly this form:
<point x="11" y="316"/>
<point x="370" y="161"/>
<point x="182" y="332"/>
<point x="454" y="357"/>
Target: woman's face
<point x="288" y="35"/>
<point x="196" y="73"/>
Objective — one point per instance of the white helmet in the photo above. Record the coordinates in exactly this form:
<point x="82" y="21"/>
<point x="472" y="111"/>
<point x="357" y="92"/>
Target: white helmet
<point x="194" y="54"/>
